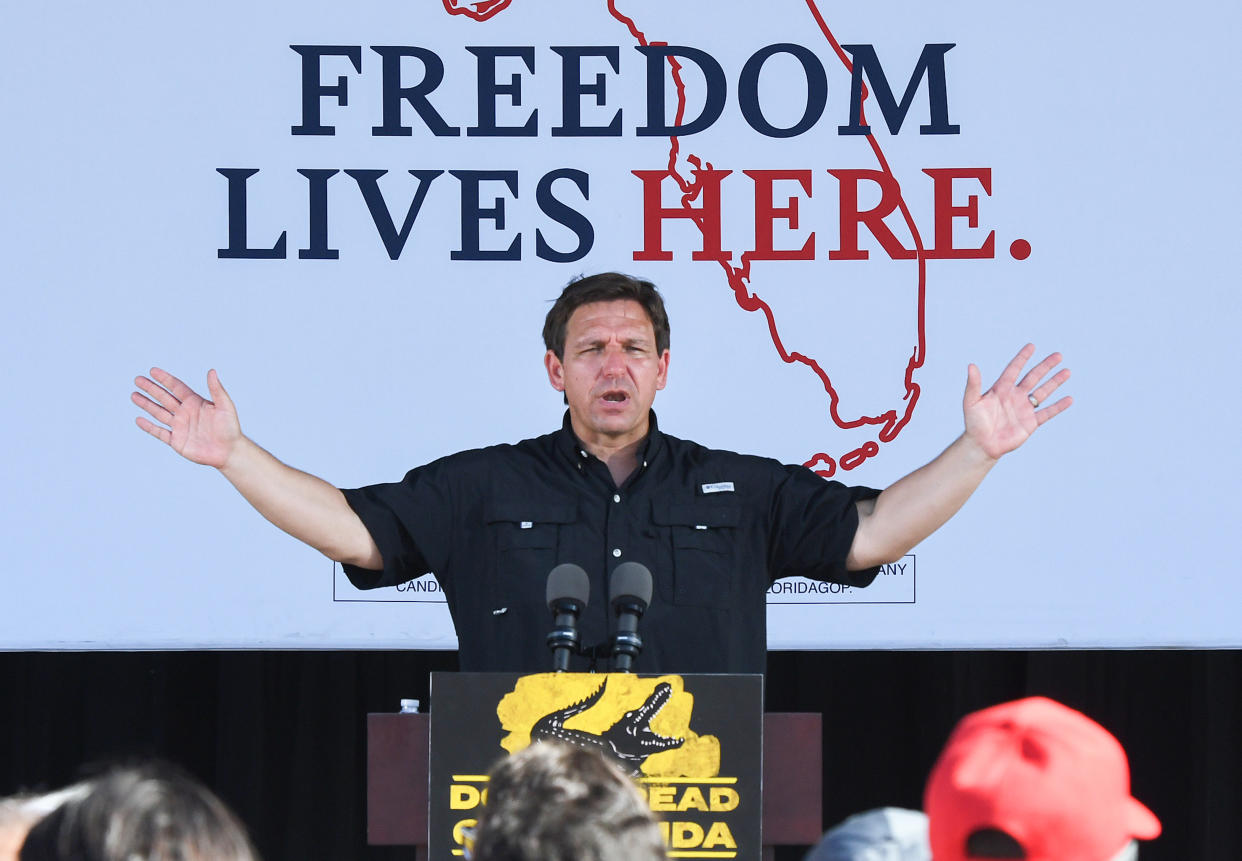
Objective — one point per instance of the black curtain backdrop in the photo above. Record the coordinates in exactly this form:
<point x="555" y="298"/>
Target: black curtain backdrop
<point x="281" y="735"/>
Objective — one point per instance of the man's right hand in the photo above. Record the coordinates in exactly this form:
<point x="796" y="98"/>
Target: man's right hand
<point x="207" y="432"/>
<point x="200" y="430"/>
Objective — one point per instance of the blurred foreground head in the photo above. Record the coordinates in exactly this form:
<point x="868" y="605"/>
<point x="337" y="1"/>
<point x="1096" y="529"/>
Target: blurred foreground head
<point x="152" y="812"/>
<point x="554" y="802"/>
<point x="882" y="834"/>
<point x="1033" y="779"/>
<point x="19" y="813"/>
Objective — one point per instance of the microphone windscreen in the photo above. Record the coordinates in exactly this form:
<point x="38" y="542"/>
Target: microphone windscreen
<point x="631" y="580"/>
<point x="568" y="581"/>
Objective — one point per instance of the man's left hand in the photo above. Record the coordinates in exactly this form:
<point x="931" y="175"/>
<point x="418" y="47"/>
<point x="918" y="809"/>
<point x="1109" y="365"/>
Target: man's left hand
<point x="1003" y="417"/>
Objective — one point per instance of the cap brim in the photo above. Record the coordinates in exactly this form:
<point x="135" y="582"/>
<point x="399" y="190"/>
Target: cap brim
<point x="1141" y="821"/>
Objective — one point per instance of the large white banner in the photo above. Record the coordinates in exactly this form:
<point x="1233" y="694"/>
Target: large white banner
<point x="358" y="215"/>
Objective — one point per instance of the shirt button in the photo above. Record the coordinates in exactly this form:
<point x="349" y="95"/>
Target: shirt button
<point x="616" y="551"/>
<point x="616" y="497"/>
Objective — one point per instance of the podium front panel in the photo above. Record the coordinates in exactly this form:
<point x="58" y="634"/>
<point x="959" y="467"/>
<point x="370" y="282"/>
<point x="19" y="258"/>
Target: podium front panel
<point x="704" y="778"/>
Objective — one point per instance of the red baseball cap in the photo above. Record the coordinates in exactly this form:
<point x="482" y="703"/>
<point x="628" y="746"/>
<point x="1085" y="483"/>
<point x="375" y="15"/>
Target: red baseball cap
<point x="1046" y="775"/>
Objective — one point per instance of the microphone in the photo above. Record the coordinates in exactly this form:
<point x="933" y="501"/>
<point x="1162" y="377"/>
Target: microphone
<point x="568" y="590"/>
<point x="630" y="586"/>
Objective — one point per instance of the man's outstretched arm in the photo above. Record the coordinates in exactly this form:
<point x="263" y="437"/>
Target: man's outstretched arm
<point x="997" y="422"/>
<point x="208" y="432"/>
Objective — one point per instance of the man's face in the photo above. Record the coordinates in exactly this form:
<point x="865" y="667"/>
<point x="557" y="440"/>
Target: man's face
<point x="610" y="371"/>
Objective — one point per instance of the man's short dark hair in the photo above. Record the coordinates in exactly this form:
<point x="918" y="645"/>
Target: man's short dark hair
<point x="605" y="287"/>
<point x="556" y="802"/>
<point x="153" y="811"/>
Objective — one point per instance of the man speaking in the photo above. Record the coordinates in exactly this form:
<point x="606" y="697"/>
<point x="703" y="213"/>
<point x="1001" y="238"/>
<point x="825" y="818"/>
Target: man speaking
<point x="609" y="487"/>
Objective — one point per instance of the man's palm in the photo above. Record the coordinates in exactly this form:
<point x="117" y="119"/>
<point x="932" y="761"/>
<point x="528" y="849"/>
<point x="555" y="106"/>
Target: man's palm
<point x="1003" y="417"/>
<point x="198" y="429"/>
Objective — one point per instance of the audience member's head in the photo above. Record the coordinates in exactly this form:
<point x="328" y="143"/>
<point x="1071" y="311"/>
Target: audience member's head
<point x="883" y="834"/>
<point x="553" y="802"/>
<point x="1037" y="780"/>
<point x="15" y="821"/>
<point x="152" y="812"/>
<point x="19" y="813"/>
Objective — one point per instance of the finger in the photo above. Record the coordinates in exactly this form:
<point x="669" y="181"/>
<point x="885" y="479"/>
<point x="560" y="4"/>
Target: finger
<point x="179" y="389"/>
<point x="973" y="385"/>
<point x="156" y="411"/>
<point x="216" y="389"/>
<point x="1045" y="391"/>
<point x="158" y="393"/>
<point x="1010" y="375"/>
<point x="162" y="434"/>
<point x="1051" y="410"/>
<point x="1037" y="373"/>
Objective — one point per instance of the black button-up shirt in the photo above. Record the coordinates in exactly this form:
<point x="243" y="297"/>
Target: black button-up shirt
<point x="715" y="528"/>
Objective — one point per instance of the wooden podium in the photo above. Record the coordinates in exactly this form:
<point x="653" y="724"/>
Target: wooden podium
<point x="397" y="768"/>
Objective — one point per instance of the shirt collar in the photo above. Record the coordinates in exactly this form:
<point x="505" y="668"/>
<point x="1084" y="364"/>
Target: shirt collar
<point x="567" y="441"/>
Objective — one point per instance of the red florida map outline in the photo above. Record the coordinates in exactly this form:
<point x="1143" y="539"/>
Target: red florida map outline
<point x="890" y="422"/>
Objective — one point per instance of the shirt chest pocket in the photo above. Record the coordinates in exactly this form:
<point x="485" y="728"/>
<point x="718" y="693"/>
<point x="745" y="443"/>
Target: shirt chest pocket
<point x="525" y="534"/>
<point x="703" y="539"/>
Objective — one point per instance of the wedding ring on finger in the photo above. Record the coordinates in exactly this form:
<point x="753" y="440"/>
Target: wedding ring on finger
<point x="1034" y="401"/>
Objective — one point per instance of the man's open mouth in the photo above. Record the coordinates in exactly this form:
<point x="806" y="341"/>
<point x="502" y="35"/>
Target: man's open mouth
<point x="616" y="397"/>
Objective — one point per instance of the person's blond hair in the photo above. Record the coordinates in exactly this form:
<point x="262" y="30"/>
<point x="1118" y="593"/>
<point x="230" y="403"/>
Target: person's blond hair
<point x="151" y="812"/>
<point x="555" y="802"/>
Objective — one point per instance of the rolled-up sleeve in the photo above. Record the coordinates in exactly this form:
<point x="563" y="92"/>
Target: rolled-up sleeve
<point x="409" y="521"/>
<point x="813" y="523"/>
